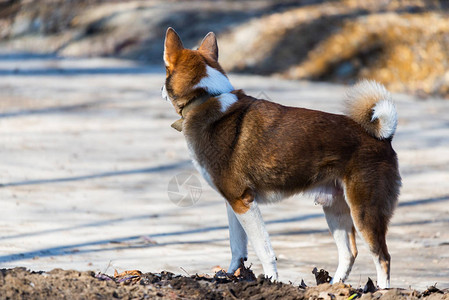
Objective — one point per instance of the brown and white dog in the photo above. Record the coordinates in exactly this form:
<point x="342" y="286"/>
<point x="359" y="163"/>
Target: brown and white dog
<point x="255" y="151"/>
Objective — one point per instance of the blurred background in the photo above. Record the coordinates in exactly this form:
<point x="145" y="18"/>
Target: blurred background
<point x="402" y="43"/>
<point x="87" y="153"/>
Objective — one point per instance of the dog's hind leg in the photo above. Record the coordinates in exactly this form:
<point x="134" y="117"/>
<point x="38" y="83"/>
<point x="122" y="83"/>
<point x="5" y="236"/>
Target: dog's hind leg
<point x="372" y="204"/>
<point x="238" y="240"/>
<point x="338" y="217"/>
<point x="248" y="213"/>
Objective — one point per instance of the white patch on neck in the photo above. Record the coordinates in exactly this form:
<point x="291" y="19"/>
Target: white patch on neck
<point x="215" y="83"/>
<point x="226" y="100"/>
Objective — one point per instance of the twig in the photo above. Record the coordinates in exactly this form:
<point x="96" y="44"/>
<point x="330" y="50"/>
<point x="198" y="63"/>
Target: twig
<point x="184" y="271"/>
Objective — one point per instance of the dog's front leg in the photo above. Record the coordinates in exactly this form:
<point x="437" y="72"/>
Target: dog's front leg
<point x="249" y="216"/>
<point x="238" y="239"/>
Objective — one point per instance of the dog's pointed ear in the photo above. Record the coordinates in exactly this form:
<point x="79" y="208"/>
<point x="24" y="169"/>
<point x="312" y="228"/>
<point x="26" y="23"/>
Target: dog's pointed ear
<point x="209" y="46"/>
<point x="172" y="46"/>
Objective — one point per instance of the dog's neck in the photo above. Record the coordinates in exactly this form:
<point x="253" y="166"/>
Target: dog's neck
<point x="195" y="102"/>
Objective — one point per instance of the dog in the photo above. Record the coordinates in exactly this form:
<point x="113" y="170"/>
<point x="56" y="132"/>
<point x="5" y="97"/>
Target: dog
<point x="254" y="151"/>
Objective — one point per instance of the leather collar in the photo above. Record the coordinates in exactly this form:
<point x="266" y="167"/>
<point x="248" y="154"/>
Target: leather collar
<point x="186" y="109"/>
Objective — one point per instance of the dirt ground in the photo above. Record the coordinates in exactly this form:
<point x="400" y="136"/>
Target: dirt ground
<point x="87" y="154"/>
<point x="60" y="284"/>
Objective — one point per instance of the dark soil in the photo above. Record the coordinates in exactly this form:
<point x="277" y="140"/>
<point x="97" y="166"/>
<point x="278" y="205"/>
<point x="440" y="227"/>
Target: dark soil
<point x="19" y="283"/>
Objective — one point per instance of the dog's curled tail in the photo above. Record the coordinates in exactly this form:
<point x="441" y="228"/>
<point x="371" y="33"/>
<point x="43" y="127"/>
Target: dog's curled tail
<point x="369" y="104"/>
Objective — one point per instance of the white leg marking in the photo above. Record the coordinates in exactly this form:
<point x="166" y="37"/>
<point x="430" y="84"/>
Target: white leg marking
<point x="238" y="239"/>
<point x="215" y="82"/>
<point x="340" y="223"/>
<point x="226" y="100"/>
<point x="382" y="278"/>
<point x="254" y="227"/>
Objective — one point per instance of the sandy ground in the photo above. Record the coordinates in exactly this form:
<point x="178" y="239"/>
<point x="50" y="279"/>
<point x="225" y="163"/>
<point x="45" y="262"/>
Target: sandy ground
<point x="87" y="153"/>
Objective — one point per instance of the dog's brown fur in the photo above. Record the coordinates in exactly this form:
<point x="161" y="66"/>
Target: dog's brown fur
<point x="257" y="147"/>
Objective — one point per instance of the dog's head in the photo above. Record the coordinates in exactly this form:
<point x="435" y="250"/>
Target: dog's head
<point x="192" y="73"/>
